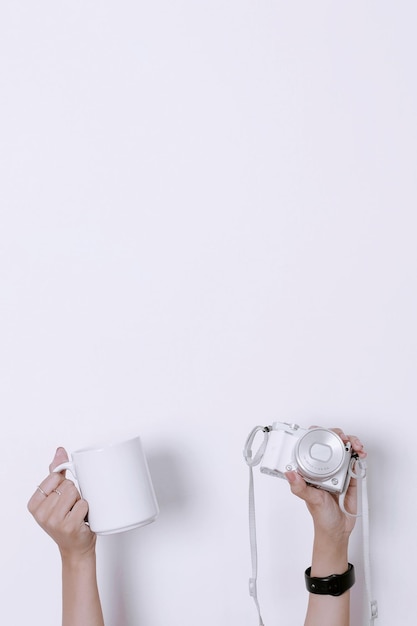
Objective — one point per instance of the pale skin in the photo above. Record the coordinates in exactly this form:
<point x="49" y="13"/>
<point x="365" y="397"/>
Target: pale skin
<point x="332" y="529"/>
<point x="59" y="509"/>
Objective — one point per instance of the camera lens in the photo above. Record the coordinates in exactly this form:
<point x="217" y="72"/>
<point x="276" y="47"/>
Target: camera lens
<point x="319" y="453"/>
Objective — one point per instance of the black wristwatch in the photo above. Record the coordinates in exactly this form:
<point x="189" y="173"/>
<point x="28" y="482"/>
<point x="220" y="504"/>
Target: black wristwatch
<point x="333" y="585"/>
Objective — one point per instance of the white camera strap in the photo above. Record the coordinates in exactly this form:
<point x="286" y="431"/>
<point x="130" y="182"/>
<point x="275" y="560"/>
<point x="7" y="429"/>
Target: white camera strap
<point x="254" y="459"/>
<point x="362" y="480"/>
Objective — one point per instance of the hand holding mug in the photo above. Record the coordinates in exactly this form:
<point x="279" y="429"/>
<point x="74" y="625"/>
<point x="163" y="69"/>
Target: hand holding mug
<point x="59" y="509"/>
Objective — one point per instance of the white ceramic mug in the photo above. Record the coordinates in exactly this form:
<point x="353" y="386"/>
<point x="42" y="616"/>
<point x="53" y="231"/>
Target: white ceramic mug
<point x="117" y="485"/>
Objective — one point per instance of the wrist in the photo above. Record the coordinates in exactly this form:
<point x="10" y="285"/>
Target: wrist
<point x="74" y="560"/>
<point x="329" y="556"/>
<point x="334" y="539"/>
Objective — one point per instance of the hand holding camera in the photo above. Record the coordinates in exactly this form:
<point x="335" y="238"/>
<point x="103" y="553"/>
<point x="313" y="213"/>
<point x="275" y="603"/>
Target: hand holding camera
<point x="315" y="461"/>
<point x="329" y="518"/>
<point x="320" y="464"/>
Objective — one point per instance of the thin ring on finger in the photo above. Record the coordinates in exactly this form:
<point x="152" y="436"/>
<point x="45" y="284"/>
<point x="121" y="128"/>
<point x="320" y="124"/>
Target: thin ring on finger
<point x="58" y="492"/>
<point x="39" y="488"/>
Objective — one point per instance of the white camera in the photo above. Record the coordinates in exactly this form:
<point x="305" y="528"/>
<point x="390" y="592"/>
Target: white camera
<point x="318" y="454"/>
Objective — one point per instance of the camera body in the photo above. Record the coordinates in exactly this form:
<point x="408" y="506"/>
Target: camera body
<point x="318" y="454"/>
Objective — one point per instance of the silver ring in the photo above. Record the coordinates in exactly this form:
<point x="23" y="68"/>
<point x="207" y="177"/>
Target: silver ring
<point x="42" y="491"/>
<point x="58" y="492"/>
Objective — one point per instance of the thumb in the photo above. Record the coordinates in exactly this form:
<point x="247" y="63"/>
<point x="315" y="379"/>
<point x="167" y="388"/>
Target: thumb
<point x="312" y="497"/>
<point x="297" y="484"/>
<point x="299" y="487"/>
<point x="61" y="456"/>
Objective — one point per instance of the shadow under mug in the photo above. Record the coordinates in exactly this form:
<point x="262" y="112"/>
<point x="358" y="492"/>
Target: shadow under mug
<point x="116" y="483"/>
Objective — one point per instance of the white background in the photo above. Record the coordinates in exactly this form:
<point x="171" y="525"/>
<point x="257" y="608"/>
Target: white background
<point x="207" y="222"/>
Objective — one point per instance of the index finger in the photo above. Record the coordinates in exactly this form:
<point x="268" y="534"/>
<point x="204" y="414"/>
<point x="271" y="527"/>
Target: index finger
<point x="47" y="486"/>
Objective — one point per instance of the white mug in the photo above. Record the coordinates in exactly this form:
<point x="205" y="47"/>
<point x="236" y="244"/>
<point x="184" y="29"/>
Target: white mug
<point x="117" y="485"/>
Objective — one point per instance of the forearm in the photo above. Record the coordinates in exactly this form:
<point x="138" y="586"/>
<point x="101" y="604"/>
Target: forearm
<point x="329" y="557"/>
<point x="80" y="597"/>
<point x="332" y="529"/>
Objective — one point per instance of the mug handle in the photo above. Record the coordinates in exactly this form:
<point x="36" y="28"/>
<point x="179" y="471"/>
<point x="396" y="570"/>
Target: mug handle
<point x="66" y="466"/>
<point x="70" y="467"/>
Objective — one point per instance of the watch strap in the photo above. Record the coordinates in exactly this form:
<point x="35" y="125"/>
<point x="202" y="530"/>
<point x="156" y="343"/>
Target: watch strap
<point x="333" y="585"/>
